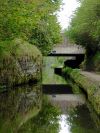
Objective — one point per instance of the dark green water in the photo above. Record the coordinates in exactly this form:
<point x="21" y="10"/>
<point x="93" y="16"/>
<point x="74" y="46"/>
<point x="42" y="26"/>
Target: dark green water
<point x="26" y="109"/>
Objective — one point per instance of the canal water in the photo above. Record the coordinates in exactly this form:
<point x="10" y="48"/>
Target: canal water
<point x="37" y="109"/>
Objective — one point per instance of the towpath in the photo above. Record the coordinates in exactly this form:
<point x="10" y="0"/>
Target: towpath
<point x="94" y="77"/>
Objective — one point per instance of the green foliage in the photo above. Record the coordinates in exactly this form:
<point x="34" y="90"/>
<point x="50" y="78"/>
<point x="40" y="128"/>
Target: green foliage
<point x="96" y="60"/>
<point x="32" y="20"/>
<point x="46" y="34"/>
<point x="18" y="48"/>
<point x="84" y="28"/>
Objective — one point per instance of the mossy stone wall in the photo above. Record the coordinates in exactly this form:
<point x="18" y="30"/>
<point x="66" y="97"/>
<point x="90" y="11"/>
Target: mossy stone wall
<point x="20" y="62"/>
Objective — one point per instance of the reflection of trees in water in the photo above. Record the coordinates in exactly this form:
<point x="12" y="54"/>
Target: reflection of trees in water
<point x="80" y="120"/>
<point x="17" y="106"/>
<point x="47" y="121"/>
<point x="94" y="115"/>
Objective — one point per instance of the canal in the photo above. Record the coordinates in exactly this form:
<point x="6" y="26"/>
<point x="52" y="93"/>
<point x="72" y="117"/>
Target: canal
<point x="47" y="107"/>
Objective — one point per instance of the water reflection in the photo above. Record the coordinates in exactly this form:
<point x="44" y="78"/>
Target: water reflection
<point x="17" y="106"/>
<point x="53" y="119"/>
<point x="26" y="110"/>
<point x="75" y="116"/>
<point x="64" y="127"/>
<point x="67" y="101"/>
<point x="79" y="121"/>
<point x="47" y="121"/>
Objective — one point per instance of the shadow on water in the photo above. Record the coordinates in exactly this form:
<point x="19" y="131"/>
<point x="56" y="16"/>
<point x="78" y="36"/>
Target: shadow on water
<point x="57" y="89"/>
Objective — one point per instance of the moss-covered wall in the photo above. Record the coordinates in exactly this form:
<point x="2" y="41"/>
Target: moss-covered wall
<point x="20" y="62"/>
<point x="92" y="63"/>
<point x="92" y="89"/>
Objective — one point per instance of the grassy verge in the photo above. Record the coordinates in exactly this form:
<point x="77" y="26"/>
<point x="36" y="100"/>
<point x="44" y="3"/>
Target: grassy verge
<point x="92" y="90"/>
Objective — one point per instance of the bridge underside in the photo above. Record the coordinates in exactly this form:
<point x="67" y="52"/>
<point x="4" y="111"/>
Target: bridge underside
<point x="74" y="62"/>
<point x="66" y="54"/>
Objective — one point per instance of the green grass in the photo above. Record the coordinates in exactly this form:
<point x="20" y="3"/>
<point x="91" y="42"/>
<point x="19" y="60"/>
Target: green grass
<point x="17" y="47"/>
<point x="92" y="90"/>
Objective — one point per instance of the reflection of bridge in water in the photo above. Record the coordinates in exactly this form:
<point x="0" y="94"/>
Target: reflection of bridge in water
<point x="68" y="101"/>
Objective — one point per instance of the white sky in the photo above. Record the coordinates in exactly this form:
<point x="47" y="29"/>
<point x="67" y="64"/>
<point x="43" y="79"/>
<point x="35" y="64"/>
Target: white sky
<point x="66" y="11"/>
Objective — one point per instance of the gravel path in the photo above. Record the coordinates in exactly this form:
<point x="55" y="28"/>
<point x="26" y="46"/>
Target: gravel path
<point x="92" y="76"/>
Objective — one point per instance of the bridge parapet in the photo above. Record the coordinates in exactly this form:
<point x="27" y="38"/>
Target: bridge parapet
<point x="72" y="49"/>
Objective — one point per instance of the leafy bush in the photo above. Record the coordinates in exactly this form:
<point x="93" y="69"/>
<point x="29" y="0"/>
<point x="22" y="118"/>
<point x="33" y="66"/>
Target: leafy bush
<point x="32" y="20"/>
<point x="84" y="28"/>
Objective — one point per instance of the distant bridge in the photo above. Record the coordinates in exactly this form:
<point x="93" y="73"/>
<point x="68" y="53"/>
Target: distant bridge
<point x="76" y="52"/>
<point x="69" y="50"/>
<point x="64" y="50"/>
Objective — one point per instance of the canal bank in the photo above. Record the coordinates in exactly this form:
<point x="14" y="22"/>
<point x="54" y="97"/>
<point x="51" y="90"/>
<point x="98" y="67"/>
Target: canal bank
<point x="20" y="63"/>
<point x="52" y="81"/>
<point x="91" y="89"/>
<point x="31" y="109"/>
